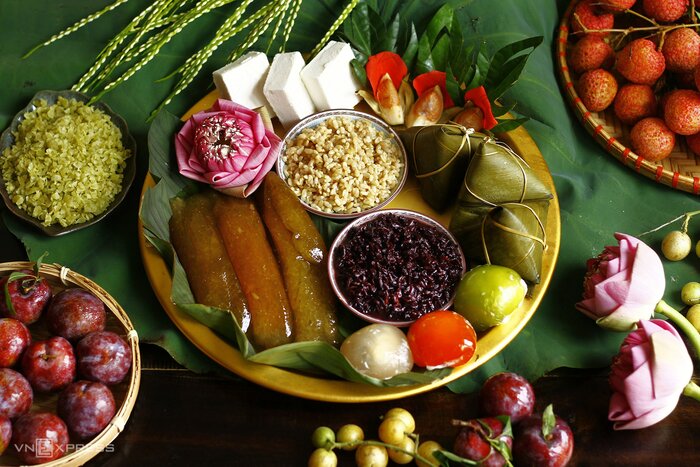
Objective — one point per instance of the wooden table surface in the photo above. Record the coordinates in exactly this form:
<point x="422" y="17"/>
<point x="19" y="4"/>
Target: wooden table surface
<point x="184" y="419"/>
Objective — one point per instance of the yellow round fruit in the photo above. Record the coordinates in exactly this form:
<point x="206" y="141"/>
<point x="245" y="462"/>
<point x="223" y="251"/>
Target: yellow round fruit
<point x="404" y="415"/>
<point x="323" y="458"/>
<point x="407" y="445"/>
<point x="369" y="455"/>
<point x="350" y="435"/>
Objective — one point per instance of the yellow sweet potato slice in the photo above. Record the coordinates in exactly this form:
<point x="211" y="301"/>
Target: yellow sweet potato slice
<point x="306" y="238"/>
<point x="258" y="272"/>
<point x="308" y="288"/>
<point x="201" y="251"/>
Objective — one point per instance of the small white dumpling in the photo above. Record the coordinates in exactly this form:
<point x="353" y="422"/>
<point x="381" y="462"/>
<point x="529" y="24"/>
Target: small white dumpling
<point x="378" y="350"/>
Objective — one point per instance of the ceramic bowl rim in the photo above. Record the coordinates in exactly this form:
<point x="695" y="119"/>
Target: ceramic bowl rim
<point x="368" y="218"/>
<point x="317" y="118"/>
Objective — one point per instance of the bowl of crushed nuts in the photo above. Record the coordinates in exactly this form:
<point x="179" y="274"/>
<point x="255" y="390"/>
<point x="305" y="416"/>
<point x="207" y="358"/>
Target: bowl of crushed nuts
<point x="343" y="163"/>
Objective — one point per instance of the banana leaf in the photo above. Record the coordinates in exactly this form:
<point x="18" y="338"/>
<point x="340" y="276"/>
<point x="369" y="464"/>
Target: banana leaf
<point x="438" y="156"/>
<point x="502" y="210"/>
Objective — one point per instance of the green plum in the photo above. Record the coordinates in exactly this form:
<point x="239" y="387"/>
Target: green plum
<point x="488" y="294"/>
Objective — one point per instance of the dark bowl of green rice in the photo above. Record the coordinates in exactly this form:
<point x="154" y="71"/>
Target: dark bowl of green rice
<point x="65" y="164"/>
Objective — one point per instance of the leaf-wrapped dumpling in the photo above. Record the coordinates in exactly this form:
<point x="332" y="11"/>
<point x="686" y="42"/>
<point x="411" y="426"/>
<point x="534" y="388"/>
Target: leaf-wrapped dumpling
<point x="438" y="156"/>
<point x="501" y="211"/>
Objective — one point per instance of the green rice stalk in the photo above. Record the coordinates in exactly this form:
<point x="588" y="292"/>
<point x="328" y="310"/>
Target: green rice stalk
<point x="296" y="6"/>
<point x="195" y="63"/>
<point x="173" y="30"/>
<point x="139" y="34"/>
<point x="225" y="32"/>
<point x="76" y="26"/>
<point x="278" y="24"/>
<point x="254" y="34"/>
<point x="113" y="45"/>
<point x="334" y="27"/>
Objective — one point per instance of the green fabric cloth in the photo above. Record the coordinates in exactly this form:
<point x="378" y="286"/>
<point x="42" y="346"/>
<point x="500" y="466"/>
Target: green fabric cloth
<point x="598" y="195"/>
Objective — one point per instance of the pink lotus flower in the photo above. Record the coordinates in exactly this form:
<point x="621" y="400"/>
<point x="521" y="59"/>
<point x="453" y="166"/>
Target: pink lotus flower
<point x="623" y="284"/>
<point x="228" y="147"/>
<point x="648" y="375"/>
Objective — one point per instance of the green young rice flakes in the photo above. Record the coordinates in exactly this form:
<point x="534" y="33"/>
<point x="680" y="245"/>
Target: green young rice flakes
<point x="67" y="163"/>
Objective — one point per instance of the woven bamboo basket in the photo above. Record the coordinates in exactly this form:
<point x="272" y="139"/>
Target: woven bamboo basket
<point x="681" y="170"/>
<point x="125" y="393"/>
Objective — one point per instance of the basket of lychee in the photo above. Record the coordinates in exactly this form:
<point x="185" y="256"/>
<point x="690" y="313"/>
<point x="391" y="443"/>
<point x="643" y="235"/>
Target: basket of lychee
<point x="631" y="71"/>
<point x="69" y="366"/>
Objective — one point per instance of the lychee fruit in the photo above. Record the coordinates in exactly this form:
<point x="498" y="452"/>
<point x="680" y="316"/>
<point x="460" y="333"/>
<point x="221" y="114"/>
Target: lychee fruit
<point x="597" y="89"/>
<point x="682" y="111"/>
<point x="681" y="50"/>
<point x="640" y="62"/>
<point x="652" y="139"/>
<point x="589" y="18"/>
<point x="591" y="52"/>
<point x="693" y="142"/>
<point x="665" y="11"/>
<point x="634" y="102"/>
<point x="616" y="6"/>
<point x="696" y="77"/>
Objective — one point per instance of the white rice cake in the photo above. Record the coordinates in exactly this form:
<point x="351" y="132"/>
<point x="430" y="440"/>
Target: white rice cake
<point x="285" y="91"/>
<point x="242" y="80"/>
<point x="329" y="78"/>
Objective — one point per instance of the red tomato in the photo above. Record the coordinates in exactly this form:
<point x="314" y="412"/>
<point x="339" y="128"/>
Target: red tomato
<point x="441" y="339"/>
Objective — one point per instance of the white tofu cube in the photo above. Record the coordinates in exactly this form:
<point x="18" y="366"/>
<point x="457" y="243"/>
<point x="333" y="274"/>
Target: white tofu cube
<point x="329" y="78"/>
<point x="285" y="91"/>
<point x="242" y="80"/>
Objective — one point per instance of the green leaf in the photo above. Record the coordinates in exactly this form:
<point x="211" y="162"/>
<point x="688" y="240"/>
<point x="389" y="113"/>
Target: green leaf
<point x="500" y="110"/>
<point x="442" y="20"/>
<point x="511" y="72"/>
<point x="506" y="66"/>
<point x="358" y="68"/>
<point x="388" y="9"/>
<point x="155" y="209"/>
<point x="454" y="88"/>
<point x="310" y="356"/>
<point x="446" y="458"/>
<point x="424" y="59"/>
<point x="377" y="29"/>
<point x="411" y="48"/>
<point x="508" y="124"/>
<point x="441" y="53"/>
<point x="161" y="149"/>
<point x="390" y="36"/>
<point x="357" y="29"/>
<point x="549" y="421"/>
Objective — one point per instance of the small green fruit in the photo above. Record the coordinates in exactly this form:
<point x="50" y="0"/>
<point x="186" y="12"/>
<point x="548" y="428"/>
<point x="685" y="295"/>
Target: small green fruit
<point x="690" y="293"/>
<point x="693" y="316"/>
<point x="488" y="294"/>
<point x="676" y="245"/>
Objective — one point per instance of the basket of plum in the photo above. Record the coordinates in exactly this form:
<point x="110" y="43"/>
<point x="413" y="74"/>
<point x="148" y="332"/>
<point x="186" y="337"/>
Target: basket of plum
<point x="69" y="366"/>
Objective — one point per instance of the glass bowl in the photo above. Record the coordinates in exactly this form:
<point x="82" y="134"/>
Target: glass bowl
<point x="7" y="140"/>
<point x="353" y="226"/>
<point x="319" y="118"/>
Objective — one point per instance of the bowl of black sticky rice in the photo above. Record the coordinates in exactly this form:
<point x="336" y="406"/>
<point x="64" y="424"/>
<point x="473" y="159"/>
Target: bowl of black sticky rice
<point x="65" y="163"/>
<point x="393" y="266"/>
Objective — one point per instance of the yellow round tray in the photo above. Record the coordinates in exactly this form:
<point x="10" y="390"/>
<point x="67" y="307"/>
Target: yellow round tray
<point x="681" y="170"/>
<point x="335" y="390"/>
